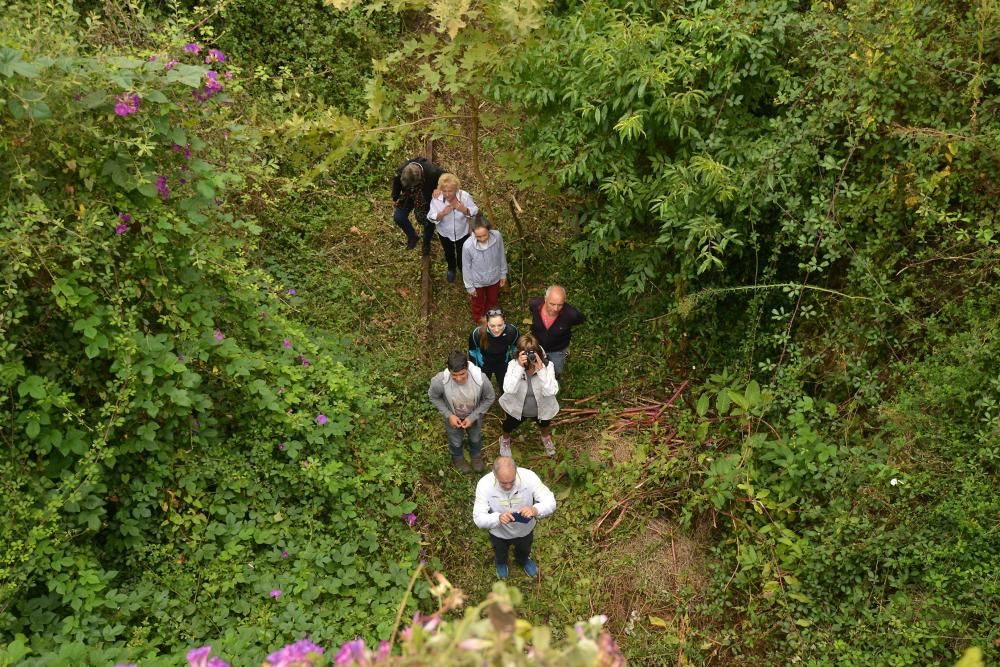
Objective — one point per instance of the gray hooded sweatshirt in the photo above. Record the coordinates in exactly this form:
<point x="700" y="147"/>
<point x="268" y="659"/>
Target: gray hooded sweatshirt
<point x="442" y="385"/>
<point x="482" y="267"/>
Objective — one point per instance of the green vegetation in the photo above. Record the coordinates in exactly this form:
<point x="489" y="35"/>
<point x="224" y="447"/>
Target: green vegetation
<point x="215" y="372"/>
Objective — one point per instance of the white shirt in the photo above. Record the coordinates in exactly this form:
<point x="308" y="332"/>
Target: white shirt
<point x="492" y="501"/>
<point x="454" y="225"/>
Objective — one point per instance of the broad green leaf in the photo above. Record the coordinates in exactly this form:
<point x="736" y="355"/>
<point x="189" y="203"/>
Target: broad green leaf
<point x="34" y="386"/>
<point x="752" y="393"/>
<point x="722" y="402"/>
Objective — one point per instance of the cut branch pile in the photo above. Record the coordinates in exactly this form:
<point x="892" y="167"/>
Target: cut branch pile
<point x="644" y="416"/>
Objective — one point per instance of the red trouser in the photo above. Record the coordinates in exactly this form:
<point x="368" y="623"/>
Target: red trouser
<point x="483" y="299"/>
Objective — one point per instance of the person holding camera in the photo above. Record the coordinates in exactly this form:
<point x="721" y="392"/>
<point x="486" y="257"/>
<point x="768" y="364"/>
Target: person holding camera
<point x="462" y="394"/>
<point x="509" y="501"/>
<point x="529" y="392"/>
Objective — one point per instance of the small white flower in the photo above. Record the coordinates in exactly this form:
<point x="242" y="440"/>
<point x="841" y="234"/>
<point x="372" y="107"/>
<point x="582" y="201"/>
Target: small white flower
<point x="893" y="482"/>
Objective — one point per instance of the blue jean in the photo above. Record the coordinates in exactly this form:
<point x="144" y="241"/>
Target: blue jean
<point x="401" y="216"/>
<point x="457" y="435"/>
<point x="558" y="360"/>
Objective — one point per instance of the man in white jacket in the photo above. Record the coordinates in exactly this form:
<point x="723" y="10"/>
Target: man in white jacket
<point x="509" y="501"/>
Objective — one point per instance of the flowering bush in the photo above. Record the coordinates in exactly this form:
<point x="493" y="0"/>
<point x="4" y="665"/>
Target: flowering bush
<point x="488" y="633"/>
<point x="151" y="376"/>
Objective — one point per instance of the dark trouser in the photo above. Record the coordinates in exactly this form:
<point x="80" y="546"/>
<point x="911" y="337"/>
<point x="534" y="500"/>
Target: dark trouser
<point x="401" y="216"/>
<point x="511" y="423"/>
<point x="522" y="548"/>
<point x="452" y="251"/>
<point x="498" y="373"/>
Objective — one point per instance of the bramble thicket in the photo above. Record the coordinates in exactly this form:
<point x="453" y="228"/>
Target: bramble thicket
<point x="214" y="368"/>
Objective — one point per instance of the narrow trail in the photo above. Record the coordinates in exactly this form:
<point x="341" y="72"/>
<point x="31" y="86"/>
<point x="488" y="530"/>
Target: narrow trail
<point x="604" y="550"/>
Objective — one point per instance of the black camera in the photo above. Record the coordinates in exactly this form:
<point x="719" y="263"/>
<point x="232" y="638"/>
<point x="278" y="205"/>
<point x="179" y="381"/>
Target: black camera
<point x="531" y="357"/>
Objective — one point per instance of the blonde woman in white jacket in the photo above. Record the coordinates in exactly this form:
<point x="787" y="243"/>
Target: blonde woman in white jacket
<point x="529" y="392"/>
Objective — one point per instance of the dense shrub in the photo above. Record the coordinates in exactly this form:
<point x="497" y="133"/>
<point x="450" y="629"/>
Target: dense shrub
<point x="175" y="435"/>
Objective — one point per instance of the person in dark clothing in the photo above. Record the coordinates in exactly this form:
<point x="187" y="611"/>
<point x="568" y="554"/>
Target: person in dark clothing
<point x="552" y="320"/>
<point x="492" y="345"/>
<point x="412" y="190"/>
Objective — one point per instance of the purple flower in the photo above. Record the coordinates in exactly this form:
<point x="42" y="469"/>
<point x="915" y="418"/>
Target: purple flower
<point x="192" y="47"/>
<point x="127" y="104"/>
<point x="215" y="56"/>
<point x="125" y="217"/>
<point x="180" y="357"/>
<point x="276" y="593"/>
<point x="162" y="187"/>
<point x="212" y="86"/>
<point x="287" y="344"/>
<point x="198" y="657"/>
<point x="292" y="292"/>
<point x="304" y="361"/>
<point x="177" y="148"/>
<point x="218" y="662"/>
<point x="301" y="653"/>
<point x="152" y="59"/>
<point x="321" y="419"/>
<point x="284" y="554"/>
<point x="410" y="518"/>
<point x="170" y="64"/>
<point x="383" y="651"/>
<point x="121" y="229"/>
<point x="228" y="75"/>
<point x="351" y="652"/>
<point x="219" y="336"/>
<point x="282" y="447"/>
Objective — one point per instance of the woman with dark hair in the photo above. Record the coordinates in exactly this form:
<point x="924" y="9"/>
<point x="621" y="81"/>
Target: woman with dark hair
<point x="484" y="267"/>
<point x="530" y="389"/>
<point x="491" y="345"/>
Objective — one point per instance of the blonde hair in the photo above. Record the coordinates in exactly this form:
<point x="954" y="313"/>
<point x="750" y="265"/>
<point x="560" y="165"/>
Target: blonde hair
<point x="449" y="179"/>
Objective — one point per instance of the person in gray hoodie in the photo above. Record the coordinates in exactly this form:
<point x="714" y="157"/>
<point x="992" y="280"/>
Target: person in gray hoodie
<point x="462" y="394"/>
<point x="484" y="267"/>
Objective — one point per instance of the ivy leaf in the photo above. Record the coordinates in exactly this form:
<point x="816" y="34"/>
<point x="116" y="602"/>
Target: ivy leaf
<point x="156" y="96"/>
<point x="33" y="386"/>
<point x="11" y="64"/>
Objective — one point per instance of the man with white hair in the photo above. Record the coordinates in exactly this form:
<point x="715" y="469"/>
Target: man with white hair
<point x="509" y="501"/>
<point x="552" y="320"/>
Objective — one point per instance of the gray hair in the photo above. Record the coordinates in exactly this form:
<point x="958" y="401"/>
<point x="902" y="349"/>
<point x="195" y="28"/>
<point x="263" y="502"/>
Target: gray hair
<point x="552" y="288"/>
<point x="501" y="462"/>
<point x="412" y="175"/>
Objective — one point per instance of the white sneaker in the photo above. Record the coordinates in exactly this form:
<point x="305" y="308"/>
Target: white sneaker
<point x="550" y="449"/>
<point x="504" y="446"/>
